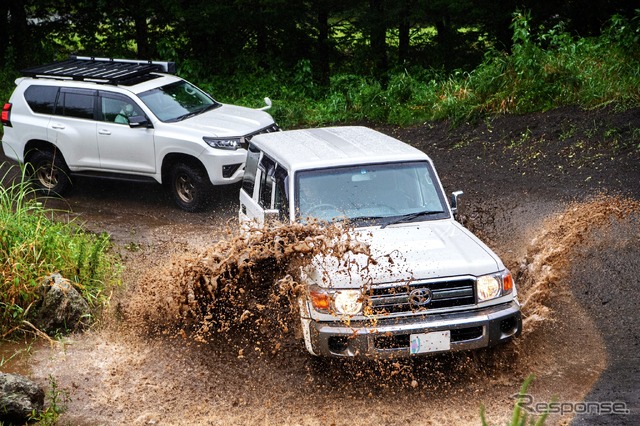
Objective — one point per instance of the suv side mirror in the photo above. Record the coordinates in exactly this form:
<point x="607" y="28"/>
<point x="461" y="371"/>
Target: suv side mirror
<point x="139" y="121"/>
<point x="268" y="104"/>
<point x="454" y="202"/>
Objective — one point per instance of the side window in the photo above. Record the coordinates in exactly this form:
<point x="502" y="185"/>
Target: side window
<point x="76" y="103"/>
<point x="268" y="167"/>
<point x="251" y="169"/>
<point x="281" y="198"/>
<point x="41" y="99"/>
<point x="117" y="108"/>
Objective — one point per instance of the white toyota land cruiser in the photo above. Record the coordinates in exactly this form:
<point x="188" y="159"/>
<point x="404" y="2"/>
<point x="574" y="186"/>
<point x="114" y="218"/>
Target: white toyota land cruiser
<point x="435" y="287"/>
<point x="127" y="119"/>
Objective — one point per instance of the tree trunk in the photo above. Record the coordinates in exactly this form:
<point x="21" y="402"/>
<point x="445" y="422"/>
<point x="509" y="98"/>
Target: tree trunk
<point x="322" y="60"/>
<point x="378" y="38"/>
<point x="18" y="33"/>
<point x="403" y="32"/>
<point x="142" y="38"/>
<point x="4" y="29"/>
<point x="443" y="27"/>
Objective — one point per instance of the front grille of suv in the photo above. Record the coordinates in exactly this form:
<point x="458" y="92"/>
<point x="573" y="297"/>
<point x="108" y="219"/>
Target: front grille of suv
<point x="421" y="296"/>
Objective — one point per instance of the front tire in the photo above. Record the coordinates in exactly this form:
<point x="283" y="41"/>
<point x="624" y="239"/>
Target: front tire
<point x="49" y="172"/>
<point x="189" y="187"/>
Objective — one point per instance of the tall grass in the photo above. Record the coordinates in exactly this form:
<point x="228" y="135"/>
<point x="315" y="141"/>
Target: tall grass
<point x="33" y="244"/>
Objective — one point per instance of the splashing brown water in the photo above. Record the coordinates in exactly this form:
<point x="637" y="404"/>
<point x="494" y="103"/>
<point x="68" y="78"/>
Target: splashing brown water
<point x="240" y="362"/>
<point x="553" y="249"/>
<point x="250" y="282"/>
<point x="245" y="285"/>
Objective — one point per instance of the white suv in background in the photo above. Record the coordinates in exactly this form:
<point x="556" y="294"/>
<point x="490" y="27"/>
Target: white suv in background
<point x="127" y="119"/>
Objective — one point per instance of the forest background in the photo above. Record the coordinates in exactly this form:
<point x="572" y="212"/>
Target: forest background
<point x="398" y="62"/>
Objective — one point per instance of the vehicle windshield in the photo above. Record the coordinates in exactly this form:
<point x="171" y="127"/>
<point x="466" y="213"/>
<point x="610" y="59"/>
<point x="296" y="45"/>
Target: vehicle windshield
<point x="371" y="194"/>
<point x="177" y="101"/>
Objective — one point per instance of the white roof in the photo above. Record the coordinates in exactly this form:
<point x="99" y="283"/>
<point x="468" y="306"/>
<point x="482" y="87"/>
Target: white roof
<point x="334" y="146"/>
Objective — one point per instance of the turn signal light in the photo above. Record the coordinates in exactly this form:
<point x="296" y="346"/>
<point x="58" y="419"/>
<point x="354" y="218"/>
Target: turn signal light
<point x="507" y="283"/>
<point x="320" y="300"/>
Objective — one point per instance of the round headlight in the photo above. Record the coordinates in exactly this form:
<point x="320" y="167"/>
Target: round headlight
<point x="488" y="287"/>
<point x="347" y="302"/>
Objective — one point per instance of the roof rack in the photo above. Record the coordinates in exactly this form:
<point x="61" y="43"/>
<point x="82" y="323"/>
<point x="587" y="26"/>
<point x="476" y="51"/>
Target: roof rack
<point x="100" y="70"/>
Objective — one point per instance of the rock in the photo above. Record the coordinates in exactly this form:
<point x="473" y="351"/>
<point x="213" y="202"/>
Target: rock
<point x="63" y="308"/>
<point x="19" y="398"/>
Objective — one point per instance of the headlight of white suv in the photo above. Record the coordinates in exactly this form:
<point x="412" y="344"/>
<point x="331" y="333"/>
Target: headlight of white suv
<point x="494" y="285"/>
<point x="341" y="302"/>
<point x="224" y="143"/>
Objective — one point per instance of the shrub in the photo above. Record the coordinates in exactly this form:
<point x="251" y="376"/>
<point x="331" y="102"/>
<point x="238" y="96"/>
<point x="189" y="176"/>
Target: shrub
<point x="33" y="244"/>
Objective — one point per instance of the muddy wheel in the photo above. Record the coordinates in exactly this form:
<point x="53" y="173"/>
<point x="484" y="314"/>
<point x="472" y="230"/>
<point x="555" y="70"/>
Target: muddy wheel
<point x="189" y="187"/>
<point x="49" y="172"/>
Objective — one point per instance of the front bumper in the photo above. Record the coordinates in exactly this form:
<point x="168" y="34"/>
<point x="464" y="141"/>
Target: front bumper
<point x="474" y="329"/>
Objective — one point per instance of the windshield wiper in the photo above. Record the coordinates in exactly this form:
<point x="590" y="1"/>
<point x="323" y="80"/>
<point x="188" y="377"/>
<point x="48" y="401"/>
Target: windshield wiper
<point x="197" y="112"/>
<point x="185" y="116"/>
<point x="409" y="217"/>
<point x="365" y="218"/>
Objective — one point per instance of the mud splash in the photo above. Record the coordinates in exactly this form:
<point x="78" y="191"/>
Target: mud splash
<point x="246" y="285"/>
<point x="551" y="252"/>
<point x="170" y="357"/>
<point x="244" y="288"/>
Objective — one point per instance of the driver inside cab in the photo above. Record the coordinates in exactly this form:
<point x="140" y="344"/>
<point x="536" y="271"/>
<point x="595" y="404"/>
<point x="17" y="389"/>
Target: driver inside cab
<point x="124" y="114"/>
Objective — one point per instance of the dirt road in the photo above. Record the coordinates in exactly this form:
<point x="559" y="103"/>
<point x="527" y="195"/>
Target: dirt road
<point x="529" y="185"/>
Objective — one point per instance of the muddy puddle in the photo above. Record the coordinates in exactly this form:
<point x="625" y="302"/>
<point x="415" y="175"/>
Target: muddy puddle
<point x="171" y="351"/>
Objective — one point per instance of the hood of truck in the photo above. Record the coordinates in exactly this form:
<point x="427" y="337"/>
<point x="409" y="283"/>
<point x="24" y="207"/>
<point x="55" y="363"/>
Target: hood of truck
<point x="402" y="252"/>
<point x="226" y="121"/>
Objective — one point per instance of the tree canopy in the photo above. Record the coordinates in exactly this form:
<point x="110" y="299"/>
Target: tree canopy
<point x="366" y="37"/>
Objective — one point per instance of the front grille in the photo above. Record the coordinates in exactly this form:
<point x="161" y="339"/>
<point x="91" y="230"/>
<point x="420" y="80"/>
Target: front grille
<point x="421" y="296"/>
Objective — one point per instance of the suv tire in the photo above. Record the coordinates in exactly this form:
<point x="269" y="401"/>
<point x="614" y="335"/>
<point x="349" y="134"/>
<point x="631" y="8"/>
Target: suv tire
<point x="49" y="172"/>
<point x="189" y="186"/>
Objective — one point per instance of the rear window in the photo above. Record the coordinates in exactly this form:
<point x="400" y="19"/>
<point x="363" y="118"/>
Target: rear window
<point x="41" y="99"/>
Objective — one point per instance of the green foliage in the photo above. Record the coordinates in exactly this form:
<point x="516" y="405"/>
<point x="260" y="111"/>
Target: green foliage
<point x="546" y="68"/>
<point x="518" y="417"/>
<point x="33" y="244"/>
<point x="555" y="68"/>
<point x="56" y="404"/>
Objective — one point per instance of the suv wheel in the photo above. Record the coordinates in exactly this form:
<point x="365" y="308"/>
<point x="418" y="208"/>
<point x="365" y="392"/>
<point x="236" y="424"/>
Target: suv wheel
<point x="50" y="174"/>
<point x="189" y="187"/>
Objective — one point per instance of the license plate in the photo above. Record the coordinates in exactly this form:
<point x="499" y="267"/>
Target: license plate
<point x="430" y="342"/>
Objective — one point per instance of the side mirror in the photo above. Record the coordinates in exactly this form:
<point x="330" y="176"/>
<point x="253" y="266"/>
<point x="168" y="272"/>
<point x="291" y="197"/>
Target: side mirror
<point x="268" y="102"/>
<point x="454" y="202"/>
<point x="137" y="121"/>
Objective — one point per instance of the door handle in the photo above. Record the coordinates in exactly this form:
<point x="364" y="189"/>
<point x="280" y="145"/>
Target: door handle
<point x="58" y="126"/>
<point x="104" y="132"/>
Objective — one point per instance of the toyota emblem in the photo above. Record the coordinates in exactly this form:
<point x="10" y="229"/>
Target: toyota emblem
<point x="419" y="297"/>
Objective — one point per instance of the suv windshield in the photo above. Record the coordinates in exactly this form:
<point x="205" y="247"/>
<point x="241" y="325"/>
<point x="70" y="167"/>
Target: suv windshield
<point x="177" y="101"/>
<point x="378" y="193"/>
